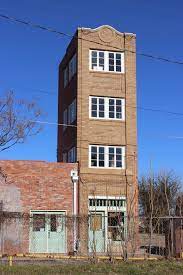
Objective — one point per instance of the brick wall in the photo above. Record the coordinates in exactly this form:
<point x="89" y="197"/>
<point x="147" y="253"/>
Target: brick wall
<point x="32" y="185"/>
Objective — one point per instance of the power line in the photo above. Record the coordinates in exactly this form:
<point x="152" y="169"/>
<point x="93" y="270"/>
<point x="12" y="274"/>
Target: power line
<point x="129" y="106"/>
<point x="158" y="110"/>
<point x="142" y="108"/>
<point x="48" y="29"/>
<point x="53" y="123"/>
<point x="35" y="90"/>
<point x="28" y="23"/>
<point x="75" y="126"/>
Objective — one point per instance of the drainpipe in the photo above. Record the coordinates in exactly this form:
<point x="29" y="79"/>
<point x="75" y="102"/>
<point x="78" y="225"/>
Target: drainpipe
<point x="74" y="177"/>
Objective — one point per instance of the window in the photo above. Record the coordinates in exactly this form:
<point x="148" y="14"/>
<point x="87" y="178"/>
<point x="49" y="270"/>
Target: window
<point x="116" y="226"/>
<point x="70" y="70"/>
<point x="97" y="60"/>
<point x="115" y="108"/>
<point x="97" y="107"/>
<point x="65" y="119"/>
<point x="114" y="62"/>
<point x="66" y="77"/>
<point x="107" y="108"/>
<point x="107" y="156"/>
<point x="53" y="223"/>
<point x="39" y="222"/>
<point x="107" y="202"/>
<point x="115" y="157"/>
<point x="107" y="61"/>
<point x="72" y="67"/>
<point x="69" y="115"/>
<point x="72" y="112"/>
<point x="64" y="157"/>
<point x="96" y="222"/>
<point x="72" y="155"/>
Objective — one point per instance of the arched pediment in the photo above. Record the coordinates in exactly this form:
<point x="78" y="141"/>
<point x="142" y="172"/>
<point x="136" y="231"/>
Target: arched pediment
<point x="106" y="33"/>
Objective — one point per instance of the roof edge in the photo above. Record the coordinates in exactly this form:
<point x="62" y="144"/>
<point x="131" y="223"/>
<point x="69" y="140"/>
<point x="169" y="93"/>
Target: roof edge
<point x="107" y="26"/>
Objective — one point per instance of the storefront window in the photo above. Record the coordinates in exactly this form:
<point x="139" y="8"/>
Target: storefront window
<point x="116" y="226"/>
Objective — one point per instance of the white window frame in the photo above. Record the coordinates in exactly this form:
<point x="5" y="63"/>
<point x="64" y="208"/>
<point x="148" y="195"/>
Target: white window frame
<point x="106" y="108"/>
<point x="106" y="62"/>
<point x="72" y="155"/>
<point x="106" y="157"/>
<point x="72" y="112"/>
<point x="122" y="62"/>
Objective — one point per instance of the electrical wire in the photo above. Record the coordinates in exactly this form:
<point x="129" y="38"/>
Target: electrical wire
<point x="53" y="123"/>
<point x="29" y="23"/>
<point x="129" y="106"/>
<point x="48" y="29"/>
<point x="141" y="108"/>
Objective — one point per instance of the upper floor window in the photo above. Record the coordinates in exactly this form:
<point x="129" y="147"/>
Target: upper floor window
<point x="106" y="61"/>
<point x="107" y="156"/>
<point x="70" y="70"/>
<point x="97" y="60"/>
<point x="107" y="108"/>
<point x="64" y="157"/>
<point x="69" y="114"/>
<point x="72" y="112"/>
<point x="72" y="155"/>
<point x="66" y="80"/>
<point x="65" y="119"/>
<point x="72" y="67"/>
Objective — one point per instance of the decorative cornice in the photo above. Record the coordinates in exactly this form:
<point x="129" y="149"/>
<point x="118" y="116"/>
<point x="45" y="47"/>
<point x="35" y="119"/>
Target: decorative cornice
<point x="106" y="27"/>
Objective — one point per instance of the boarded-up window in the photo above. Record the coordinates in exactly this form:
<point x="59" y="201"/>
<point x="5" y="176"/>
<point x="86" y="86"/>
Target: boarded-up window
<point x="96" y="222"/>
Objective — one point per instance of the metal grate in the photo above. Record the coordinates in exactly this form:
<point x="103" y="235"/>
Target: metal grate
<point x="107" y="202"/>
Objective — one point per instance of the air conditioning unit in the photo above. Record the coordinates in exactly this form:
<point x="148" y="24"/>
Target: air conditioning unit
<point x="74" y="175"/>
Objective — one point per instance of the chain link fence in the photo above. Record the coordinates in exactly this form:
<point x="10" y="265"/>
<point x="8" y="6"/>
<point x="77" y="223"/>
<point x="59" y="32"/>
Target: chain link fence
<point x="93" y="235"/>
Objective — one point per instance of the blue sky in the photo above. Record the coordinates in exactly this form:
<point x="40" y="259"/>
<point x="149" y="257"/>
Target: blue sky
<point x="29" y="61"/>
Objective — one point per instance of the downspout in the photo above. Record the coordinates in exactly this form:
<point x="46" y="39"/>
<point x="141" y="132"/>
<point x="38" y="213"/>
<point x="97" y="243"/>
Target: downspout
<point x="75" y="178"/>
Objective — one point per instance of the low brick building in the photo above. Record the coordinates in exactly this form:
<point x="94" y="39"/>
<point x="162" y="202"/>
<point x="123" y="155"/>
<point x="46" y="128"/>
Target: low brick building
<point x="36" y="202"/>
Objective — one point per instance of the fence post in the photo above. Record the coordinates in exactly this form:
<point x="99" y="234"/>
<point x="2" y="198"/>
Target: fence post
<point x="172" y="237"/>
<point x="10" y="260"/>
<point x="1" y="226"/>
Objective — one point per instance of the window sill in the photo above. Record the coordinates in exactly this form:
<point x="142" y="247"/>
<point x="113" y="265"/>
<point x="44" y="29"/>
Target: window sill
<point x="106" y="72"/>
<point x="107" y="168"/>
<point x="107" y="119"/>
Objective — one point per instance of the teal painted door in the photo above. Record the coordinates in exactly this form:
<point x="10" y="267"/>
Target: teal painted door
<point x="97" y="232"/>
<point x="48" y="232"/>
<point x="38" y="233"/>
<point x="56" y="233"/>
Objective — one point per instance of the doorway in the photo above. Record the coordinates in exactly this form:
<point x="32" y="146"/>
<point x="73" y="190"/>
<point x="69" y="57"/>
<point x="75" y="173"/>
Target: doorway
<point x="48" y="232"/>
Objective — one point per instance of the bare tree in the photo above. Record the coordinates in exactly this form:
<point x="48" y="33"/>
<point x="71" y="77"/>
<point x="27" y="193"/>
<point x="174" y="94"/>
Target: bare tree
<point x="158" y="194"/>
<point x="17" y="120"/>
<point x="158" y="198"/>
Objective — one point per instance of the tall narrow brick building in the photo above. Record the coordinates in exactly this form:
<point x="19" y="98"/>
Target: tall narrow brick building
<point x="97" y="126"/>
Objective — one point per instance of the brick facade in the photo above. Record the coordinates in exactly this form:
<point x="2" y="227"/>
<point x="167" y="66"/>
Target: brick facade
<point x="113" y="182"/>
<point x="33" y="185"/>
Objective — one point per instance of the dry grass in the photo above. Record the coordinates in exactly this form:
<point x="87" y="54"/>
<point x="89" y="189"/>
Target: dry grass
<point x="145" y="267"/>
